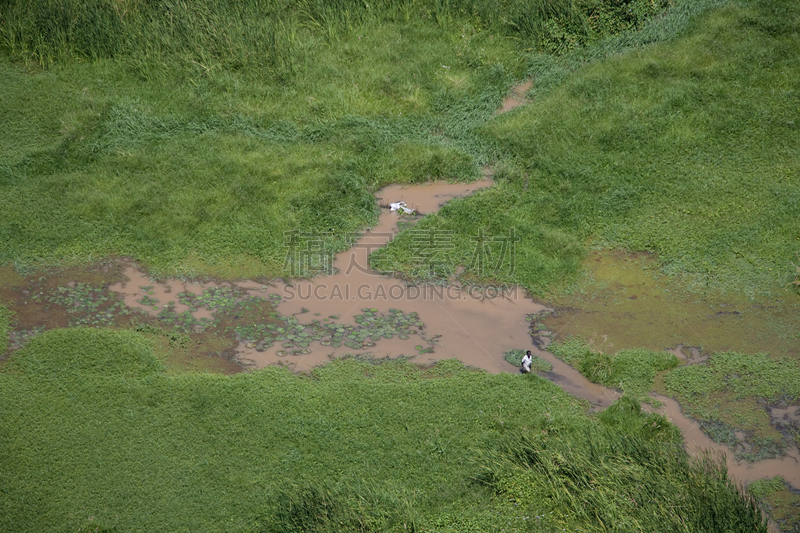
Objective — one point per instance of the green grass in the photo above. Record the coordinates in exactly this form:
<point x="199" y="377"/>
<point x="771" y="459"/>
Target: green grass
<point x="6" y="318"/>
<point x="563" y="486"/>
<point x="633" y="370"/>
<point x="60" y="354"/>
<point x="192" y="137"/>
<point x="199" y="173"/>
<point x="684" y="149"/>
<point x="355" y="446"/>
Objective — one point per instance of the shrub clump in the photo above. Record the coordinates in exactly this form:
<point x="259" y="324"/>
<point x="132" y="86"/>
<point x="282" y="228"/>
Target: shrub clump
<point x="88" y="351"/>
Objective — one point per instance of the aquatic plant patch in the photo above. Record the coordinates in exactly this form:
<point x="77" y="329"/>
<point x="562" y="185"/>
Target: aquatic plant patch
<point x="731" y="392"/>
<point x="781" y="502"/>
<point x="86" y="305"/>
<point x="372" y="326"/>
<point x="18" y="337"/>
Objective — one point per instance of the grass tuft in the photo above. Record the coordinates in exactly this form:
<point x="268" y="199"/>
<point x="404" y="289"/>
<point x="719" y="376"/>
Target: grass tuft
<point x="82" y="352"/>
<point x="633" y="371"/>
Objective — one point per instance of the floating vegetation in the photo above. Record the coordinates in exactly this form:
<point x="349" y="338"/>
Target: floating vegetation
<point x="372" y="327"/>
<point x="87" y="306"/>
<point x="148" y="301"/>
<point x="184" y="322"/>
<point x="215" y="298"/>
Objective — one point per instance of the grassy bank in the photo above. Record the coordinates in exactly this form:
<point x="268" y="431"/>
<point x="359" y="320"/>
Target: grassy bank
<point x="193" y="136"/>
<point x="180" y="137"/>
<point x="100" y="437"/>
<point x="684" y="149"/>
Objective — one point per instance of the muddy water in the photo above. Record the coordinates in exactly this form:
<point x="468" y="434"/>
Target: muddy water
<point x="696" y="442"/>
<point x="139" y="286"/>
<point x="473" y="326"/>
<point x="789" y="414"/>
<point x="695" y="357"/>
<point x="516" y="98"/>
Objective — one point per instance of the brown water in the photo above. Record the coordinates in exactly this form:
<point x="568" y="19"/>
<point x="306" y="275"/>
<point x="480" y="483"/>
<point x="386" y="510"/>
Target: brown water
<point x="789" y="414"/>
<point x="696" y="442"/>
<point x="473" y="326"/>
<point x="695" y="356"/>
<point x="516" y="98"/>
<point x="139" y="286"/>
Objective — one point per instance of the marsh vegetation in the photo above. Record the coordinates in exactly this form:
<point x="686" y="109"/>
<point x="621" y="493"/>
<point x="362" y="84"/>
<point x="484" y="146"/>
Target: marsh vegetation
<point x="652" y="178"/>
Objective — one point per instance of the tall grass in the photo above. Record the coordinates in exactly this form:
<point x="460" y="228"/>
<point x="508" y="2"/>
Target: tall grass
<point x="194" y="135"/>
<point x="191" y="146"/>
<point x="591" y="481"/>
<point x="255" y="34"/>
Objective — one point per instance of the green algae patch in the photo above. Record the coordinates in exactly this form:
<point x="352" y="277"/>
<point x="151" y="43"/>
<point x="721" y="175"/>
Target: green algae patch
<point x="86" y="351"/>
<point x="781" y="502"/>
<point x="626" y="297"/>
